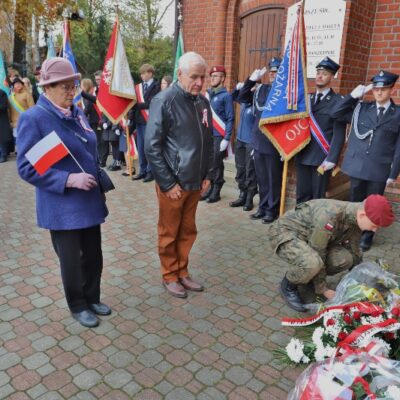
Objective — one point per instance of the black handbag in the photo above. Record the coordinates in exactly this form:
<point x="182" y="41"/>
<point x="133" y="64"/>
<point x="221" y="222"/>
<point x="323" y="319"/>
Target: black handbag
<point x="105" y="181"/>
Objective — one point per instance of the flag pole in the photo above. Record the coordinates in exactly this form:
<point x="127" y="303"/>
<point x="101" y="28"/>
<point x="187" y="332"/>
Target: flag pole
<point x="283" y="190"/>
<point x="128" y="143"/>
<point x="79" y="165"/>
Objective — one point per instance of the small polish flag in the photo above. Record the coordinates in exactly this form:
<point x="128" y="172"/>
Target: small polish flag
<point x="47" y="152"/>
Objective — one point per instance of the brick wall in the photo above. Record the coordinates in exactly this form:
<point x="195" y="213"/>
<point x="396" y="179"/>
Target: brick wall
<point x="371" y="41"/>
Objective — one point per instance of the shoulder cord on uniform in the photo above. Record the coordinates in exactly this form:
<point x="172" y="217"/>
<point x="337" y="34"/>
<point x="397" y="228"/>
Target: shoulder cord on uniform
<point x="255" y="100"/>
<point x="354" y="123"/>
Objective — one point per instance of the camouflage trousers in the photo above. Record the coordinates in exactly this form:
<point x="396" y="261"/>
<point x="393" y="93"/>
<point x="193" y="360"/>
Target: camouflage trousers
<point x="306" y="264"/>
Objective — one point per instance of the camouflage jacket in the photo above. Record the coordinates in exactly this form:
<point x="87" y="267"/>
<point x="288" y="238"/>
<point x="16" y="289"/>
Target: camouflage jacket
<point x="321" y="223"/>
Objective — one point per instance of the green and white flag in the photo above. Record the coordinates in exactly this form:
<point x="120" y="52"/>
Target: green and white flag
<point x="179" y="52"/>
<point x="3" y="75"/>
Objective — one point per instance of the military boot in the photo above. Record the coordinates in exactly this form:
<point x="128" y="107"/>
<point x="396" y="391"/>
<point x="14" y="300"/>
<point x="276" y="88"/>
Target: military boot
<point x="206" y="195"/>
<point x="240" y="201"/>
<point x="290" y="294"/>
<point x="249" y="205"/>
<point x="215" y="195"/>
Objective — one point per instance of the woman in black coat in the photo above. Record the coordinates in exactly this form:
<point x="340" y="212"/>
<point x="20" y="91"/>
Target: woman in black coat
<point x="5" y="128"/>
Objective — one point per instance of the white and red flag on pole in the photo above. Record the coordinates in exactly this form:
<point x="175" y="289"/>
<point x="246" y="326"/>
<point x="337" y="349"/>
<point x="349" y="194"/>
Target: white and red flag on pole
<point x="45" y="153"/>
<point x="116" y="94"/>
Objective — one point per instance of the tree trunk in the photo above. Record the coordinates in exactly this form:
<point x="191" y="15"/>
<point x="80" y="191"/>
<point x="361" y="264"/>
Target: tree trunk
<point x="19" y="41"/>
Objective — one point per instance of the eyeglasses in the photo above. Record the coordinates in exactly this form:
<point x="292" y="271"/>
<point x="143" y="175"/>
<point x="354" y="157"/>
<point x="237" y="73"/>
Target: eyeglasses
<point x="69" y="88"/>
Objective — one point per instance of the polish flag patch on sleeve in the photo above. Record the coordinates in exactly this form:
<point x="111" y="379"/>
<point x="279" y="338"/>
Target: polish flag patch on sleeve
<point x="329" y="227"/>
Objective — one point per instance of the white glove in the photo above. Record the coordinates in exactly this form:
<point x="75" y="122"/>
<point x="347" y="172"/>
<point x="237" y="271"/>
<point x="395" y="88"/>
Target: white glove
<point x="239" y="85"/>
<point x="117" y="132"/>
<point x="105" y="126"/>
<point x="223" y="145"/>
<point x="257" y="74"/>
<point x="327" y="165"/>
<point x="360" y="91"/>
<point x="81" y="180"/>
<point x="389" y="181"/>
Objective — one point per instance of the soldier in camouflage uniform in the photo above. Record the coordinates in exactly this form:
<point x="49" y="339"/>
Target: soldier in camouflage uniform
<point x="321" y="237"/>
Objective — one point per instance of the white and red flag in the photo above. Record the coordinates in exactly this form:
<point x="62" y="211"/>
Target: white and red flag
<point x="45" y="153"/>
<point x="116" y="94"/>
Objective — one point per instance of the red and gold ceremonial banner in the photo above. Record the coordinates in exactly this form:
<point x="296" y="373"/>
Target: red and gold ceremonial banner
<point x="116" y="94"/>
<point x="284" y="119"/>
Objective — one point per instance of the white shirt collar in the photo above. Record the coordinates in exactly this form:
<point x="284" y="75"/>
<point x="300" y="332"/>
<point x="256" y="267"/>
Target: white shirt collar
<point x="324" y="93"/>
<point x="386" y="105"/>
<point x="149" y="82"/>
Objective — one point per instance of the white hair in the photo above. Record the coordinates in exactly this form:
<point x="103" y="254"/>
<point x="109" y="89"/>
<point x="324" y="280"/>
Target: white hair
<point x="190" y="58"/>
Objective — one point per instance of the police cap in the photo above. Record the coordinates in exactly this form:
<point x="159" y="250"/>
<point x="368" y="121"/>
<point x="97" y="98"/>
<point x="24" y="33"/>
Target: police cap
<point x="329" y="65"/>
<point x="384" y="79"/>
<point x="274" y="64"/>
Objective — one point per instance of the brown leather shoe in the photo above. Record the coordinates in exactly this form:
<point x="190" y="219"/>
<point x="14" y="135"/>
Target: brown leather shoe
<point x="189" y="284"/>
<point x="176" y="289"/>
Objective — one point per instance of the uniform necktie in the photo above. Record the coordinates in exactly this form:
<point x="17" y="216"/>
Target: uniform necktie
<point x="144" y="87"/>
<point x="380" y="113"/>
<point x="319" y="98"/>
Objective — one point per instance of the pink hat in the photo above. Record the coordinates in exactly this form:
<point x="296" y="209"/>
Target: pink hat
<point x="57" y="69"/>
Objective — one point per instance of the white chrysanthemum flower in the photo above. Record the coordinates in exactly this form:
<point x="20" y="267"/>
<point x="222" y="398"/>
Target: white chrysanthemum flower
<point x="317" y="335"/>
<point x="319" y="353"/>
<point x="333" y="331"/>
<point x="305" y="359"/>
<point x="371" y="320"/>
<point x="392" y="393"/>
<point x="330" y="351"/>
<point x="294" y="350"/>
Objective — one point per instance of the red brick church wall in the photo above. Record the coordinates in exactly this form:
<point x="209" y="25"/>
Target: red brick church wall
<point x="371" y="41"/>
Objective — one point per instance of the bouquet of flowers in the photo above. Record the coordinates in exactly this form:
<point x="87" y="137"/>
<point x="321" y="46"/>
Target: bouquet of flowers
<point x="357" y="374"/>
<point x="355" y="325"/>
<point x="366" y="282"/>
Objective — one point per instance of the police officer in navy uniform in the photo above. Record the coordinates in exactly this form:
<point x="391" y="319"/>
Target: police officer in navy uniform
<point x="222" y="104"/>
<point x="311" y="184"/>
<point x="372" y="158"/>
<point x="244" y="162"/>
<point x="267" y="160"/>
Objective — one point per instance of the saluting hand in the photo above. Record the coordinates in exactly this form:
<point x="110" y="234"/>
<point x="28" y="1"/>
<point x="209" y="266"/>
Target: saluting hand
<point x="257" y="74"/>
<point x="360" y="91"/>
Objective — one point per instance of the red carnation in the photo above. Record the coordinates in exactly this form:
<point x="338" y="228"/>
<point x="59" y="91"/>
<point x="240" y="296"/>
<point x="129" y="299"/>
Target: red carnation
<point x="389" y="335"/>
<point x="396" y="311"/>
<point x="376" y="314"/>
<point x="357" y="316"/>
<point x="330" y="322"/>
<point x="347" y="319"/>
<point x="342" y="336"/>
<point x="346" y="309"/>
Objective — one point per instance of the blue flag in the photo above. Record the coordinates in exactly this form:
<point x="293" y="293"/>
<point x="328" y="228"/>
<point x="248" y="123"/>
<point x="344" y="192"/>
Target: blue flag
<point x="3" y="75"/>
<point x="67" y="53"/>
<point x="284" y="119"/>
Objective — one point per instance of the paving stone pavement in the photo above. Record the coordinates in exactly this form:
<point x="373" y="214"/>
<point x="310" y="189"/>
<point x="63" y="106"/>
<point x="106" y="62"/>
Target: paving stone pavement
<point x="214" y="345"/>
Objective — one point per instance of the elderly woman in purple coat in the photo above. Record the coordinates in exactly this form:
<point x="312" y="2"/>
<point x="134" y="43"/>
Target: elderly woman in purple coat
<point x="69" y="202"/>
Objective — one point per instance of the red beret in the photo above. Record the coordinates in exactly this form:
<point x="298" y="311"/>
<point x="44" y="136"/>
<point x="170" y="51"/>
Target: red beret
<point x="379" y="210"/>
<point x="218" y="68"/>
